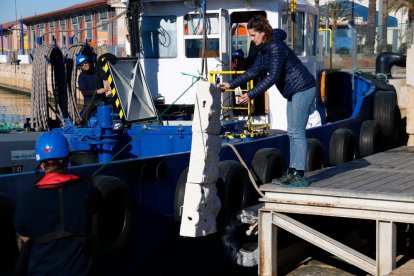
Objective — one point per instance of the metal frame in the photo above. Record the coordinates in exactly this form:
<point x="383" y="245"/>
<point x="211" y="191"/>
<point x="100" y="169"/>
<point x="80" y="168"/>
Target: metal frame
<point x="384" y="209"/>
<point x="212" y="78"/>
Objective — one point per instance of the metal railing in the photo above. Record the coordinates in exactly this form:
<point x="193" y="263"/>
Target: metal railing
<point x="213" y="75"/>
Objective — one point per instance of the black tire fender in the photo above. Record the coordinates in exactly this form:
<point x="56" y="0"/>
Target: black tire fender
<point x="179" y="195"/>
<point x="241" y="248"/>
<point x="342" y="146"/>
<point x="8" y="246"/>
<point x="369" y="138"/>
<point x="314" y="155"/>
<point x="385" y="105"/>
<point x="234" y="189"/>
<point x="112" y="225"/>
<point x="268" y="164"/>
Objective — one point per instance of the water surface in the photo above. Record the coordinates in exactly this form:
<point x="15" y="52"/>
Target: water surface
<point x="14" y="108"/>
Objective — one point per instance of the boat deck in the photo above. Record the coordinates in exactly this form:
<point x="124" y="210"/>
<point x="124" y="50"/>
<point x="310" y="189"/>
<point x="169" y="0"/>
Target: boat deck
<point x="379" y="187"/>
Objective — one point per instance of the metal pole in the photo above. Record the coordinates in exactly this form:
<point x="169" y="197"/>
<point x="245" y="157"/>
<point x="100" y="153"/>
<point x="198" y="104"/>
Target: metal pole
<point x="22" y="36"/>
<point x="1" y="35"/>
<point x="327" y="27"/>
<point x="352" y="17"/>
<point x="379" y="23"/>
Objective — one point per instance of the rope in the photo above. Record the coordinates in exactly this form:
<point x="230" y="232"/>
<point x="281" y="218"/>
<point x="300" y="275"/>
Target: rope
<point x="256" y="187"/>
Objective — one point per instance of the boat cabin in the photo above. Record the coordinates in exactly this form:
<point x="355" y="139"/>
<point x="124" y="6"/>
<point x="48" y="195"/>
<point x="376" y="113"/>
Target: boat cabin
<point x="171" y="39"/>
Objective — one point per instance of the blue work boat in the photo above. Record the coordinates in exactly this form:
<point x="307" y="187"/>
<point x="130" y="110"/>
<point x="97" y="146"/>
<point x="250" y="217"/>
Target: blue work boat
<point x="139" y="154"/>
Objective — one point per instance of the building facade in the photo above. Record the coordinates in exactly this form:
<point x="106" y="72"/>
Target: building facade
<point x="101" y="23"/>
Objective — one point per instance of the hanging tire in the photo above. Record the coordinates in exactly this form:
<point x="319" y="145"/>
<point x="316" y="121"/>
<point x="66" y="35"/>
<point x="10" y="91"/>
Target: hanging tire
<point x="342" y="146"/>
<point x="314" y="155"/>
<point x="385" y="105"/>
<point x="241" y="248"/>
<point x="268" y="164"/>
<point x="112" y="225"/>
<point x="8" y="247"/>
<point x="370" y="138"/>
<point x="234" y="189"/>
<point x="179" y="195"/>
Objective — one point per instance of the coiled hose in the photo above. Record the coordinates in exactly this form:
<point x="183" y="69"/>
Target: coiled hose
<point x="39" y="97"/>
<point x="73" y="94"/>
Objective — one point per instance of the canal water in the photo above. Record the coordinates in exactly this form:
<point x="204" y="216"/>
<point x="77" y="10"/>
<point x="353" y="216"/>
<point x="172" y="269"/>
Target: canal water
<point x="14" y="108"/>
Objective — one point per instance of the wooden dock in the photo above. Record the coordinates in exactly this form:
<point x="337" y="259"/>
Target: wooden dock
<point x="378" y="188"/>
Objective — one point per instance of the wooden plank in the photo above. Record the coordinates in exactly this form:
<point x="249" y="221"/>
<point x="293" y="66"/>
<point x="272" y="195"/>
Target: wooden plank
<point x="385" y="180"/>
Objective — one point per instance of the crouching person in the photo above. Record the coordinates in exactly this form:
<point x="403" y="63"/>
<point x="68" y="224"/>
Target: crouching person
<point x="55" y="216"/>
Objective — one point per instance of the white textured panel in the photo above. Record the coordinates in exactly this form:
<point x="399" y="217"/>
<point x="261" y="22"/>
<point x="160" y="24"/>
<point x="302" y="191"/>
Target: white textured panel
<point x="205" y="150"/>
<point x="207" y="109"/>
<point x="201" y="207"/>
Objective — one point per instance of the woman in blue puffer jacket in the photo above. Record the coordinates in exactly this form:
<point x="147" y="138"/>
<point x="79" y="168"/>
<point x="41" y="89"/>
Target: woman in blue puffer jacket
<point x="294" y="82"/>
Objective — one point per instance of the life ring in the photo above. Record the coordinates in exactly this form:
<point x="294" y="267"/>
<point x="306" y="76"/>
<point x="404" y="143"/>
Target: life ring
<point x="341" y="147"/>
<point x="112" y="225"/>
<point x="8" y="250"/>
<point x="268" y="164"/>
<point x="385" y="105"/>
<point x="179" y="195"/>
<point x="369" y="138"/>
<point x="234" y="189"/>
<point x="314" y="155"/>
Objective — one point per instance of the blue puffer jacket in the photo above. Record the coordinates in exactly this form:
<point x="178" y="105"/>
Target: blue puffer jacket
<point x="283" y="68"/>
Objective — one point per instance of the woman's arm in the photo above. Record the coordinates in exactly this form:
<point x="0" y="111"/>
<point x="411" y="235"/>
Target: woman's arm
<point x="277" y="59"/>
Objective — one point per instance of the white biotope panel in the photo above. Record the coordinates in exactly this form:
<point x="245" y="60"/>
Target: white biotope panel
<point x="201" y="203"/>
<point x="207" y="109"/>
<point x="204" y="158"/>
<point x="201" y="207"/>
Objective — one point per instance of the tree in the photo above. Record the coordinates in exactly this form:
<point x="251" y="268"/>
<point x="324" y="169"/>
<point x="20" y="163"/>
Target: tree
<point x="370" y="28"/>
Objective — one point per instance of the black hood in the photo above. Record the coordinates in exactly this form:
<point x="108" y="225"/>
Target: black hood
<point x="279" y="34"/>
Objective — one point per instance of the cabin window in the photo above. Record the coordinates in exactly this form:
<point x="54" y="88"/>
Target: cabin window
<point x="298" y="41"/>
<point x="193" y="35"/>
<point x="159" y="36"/>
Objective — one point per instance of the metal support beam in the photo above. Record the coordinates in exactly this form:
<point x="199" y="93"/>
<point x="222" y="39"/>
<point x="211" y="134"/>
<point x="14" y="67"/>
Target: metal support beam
<point x="267" y="244"/>
<point x="322" y="241"/>
<point x="386" y="247"/>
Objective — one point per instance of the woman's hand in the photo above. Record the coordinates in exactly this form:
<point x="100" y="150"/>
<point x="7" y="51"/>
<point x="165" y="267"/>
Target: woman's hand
<point x="224" y="86"/>
<point x="244" y="99"/>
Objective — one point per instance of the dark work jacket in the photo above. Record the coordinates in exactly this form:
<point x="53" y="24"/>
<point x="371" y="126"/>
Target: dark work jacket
<point x="89" y="82"/>
<point x="283" y="68"/>
<point x="66" y="209"/>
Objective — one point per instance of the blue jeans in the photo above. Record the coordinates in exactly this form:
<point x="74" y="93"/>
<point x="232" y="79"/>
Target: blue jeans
<point x="298" y="110"/>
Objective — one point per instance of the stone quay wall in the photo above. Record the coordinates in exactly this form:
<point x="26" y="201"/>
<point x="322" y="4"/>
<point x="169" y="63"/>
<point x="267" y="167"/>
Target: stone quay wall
<point x="16" y="76"/>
